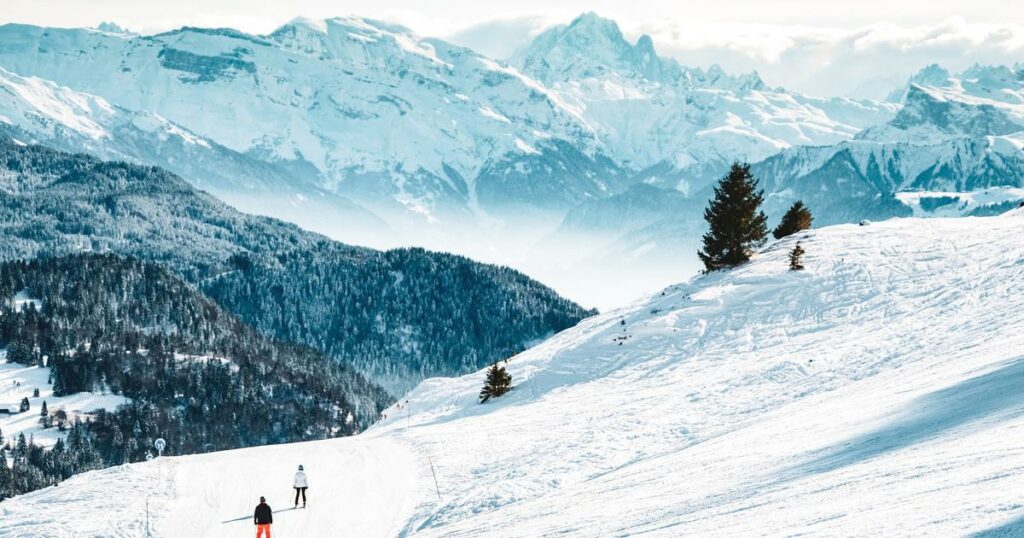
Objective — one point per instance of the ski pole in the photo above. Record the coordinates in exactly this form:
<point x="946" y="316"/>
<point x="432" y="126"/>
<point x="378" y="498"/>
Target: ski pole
<point x="438" y="489"/>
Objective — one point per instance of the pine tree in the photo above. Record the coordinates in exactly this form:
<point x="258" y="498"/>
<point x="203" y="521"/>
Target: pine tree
<point x="22" y="447"/>
<point x="6" y="479"/>
<point x="35" y="392"/>
<point x="25" y="406"/>
<point x="737" y="224"/>
<point x="796" y="258"/>
<point x="796" y="219"/>
<point x="498" y="382"/>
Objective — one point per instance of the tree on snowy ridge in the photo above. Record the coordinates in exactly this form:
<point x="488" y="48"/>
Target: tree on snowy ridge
<point x="498" y="382"/>
<point x="796" y="256"/>
<point x="797" y="218"/>
<point x="737" y="224"/>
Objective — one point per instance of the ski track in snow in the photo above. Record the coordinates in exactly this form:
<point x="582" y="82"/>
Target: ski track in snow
<point x="359" y="486"/>
<point x="876" y="393"/>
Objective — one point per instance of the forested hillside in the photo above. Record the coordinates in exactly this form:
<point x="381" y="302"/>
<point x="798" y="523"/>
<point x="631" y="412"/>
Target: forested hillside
<point x="195" y="375"/>
<point x="397" y="316"/>
<point x="436" y="313"/>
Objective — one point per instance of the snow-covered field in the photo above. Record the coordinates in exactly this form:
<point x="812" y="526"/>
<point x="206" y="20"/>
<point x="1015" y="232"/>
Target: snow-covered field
<point x="18" y="381"/>
<point x="957" y="204"/>
<point x="877" y="393"/>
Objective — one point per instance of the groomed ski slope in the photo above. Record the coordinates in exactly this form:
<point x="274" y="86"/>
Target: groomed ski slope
<point x="880" y="392"/>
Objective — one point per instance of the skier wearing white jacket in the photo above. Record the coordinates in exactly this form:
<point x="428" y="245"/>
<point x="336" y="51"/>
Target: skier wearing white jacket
<point x="300" y="484"/>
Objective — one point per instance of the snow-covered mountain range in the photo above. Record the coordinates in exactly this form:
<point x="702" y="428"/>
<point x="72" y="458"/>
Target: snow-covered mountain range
<point x="38" y="110"/>
<point x="856" y="397"/>
<point x="370" y="133"/>
<point x="400" y="121"/>
<point x="681" y="126"/>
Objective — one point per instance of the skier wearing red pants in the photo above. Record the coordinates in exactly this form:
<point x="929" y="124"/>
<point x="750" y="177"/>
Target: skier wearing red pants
<point x="263" y="517"/>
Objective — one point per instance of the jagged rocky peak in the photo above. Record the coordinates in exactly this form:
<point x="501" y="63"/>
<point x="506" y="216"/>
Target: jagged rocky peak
<point x="592" y="47"/>
<point x="932" y="75"/>
<point x="996" y="82"/>
<point x="111" y="27"/>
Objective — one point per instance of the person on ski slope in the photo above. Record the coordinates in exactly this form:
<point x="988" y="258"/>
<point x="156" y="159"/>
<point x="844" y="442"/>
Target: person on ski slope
<point x="263" y="517"/>
<point x="300" y="484"/>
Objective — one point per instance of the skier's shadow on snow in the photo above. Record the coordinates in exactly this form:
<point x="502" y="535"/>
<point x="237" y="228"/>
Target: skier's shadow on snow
<point x="994" y="396"/>
<point x="249" y="517"/>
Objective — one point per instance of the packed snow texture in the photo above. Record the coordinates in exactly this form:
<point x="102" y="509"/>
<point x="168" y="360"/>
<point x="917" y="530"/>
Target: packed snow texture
<point x="877" y="392"/>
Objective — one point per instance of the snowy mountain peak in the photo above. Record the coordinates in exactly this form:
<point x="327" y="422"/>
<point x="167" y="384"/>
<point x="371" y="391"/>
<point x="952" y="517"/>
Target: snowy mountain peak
<point x="931" y="75"/>
<point x="978" y="102"/>
<point x="593" y="47"/>
<point x="350" y="39"/>
<point x="114" y="28"/>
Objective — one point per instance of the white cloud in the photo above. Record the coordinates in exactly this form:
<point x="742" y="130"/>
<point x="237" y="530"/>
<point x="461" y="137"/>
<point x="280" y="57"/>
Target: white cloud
<point x="868" y="61"/>
<point x="500" y="38"/>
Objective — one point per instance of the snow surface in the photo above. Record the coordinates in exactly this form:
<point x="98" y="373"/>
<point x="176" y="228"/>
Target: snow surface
<point x="875" y="393"/>
<point x="33" y="377"/>
<point x="962" y="203"/>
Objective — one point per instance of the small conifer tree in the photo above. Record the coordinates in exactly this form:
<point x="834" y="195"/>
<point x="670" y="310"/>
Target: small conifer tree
<point x="25" y="406"/>
<point x="498" y="382"/>
<point x="736" y="223"/>
<point x="44" y="416"/>
<point x="796" y="258"/>
<point x="796" y="219"/>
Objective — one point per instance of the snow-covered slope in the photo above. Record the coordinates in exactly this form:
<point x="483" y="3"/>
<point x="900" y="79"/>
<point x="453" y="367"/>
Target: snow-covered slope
<point x="875" y="393"/>
<point x="18" y="381"/>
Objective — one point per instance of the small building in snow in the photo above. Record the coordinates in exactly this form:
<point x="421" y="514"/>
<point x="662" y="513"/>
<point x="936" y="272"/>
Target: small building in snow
<point x="10" y="409"/>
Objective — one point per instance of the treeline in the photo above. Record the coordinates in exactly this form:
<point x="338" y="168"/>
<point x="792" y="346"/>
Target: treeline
<point x="195" y="375"/>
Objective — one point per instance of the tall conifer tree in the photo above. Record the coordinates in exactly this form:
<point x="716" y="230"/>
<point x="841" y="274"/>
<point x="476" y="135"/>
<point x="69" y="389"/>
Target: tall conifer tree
<point x="737" y="224"/>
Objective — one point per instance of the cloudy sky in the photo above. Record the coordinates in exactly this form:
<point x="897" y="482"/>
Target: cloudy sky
<point x="823" y="47"/>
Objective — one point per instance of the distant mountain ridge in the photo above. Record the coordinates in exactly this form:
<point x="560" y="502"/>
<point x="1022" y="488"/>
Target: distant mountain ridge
<point x="416" y="128"/>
